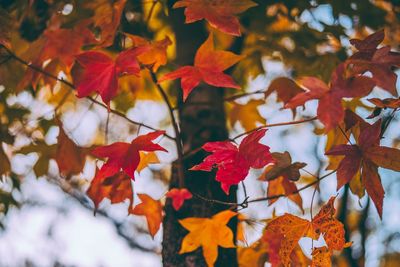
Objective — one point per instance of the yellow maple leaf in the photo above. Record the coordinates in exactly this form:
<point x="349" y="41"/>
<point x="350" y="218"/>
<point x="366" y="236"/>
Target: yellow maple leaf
<point x="146" y="159"/>
<point x="152" y="209"/>
<point x="208" y="233"/>
<point x="247" y="114"/>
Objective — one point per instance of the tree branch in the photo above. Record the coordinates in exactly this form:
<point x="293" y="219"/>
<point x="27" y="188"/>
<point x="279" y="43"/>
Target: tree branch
<point x="247" y="201"/>
<point x="71" y="86"/>
<point x="274" y="125"/>
<point x="178" y="140"/>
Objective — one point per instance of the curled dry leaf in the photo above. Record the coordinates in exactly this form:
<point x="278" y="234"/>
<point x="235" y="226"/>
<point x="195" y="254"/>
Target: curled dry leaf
<point x="280" y="177"/>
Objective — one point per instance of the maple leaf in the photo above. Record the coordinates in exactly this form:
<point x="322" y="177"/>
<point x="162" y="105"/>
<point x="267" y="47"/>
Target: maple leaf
<point x="379" y="61"/>
<point x="208" y="233"/>
<point x="285" y="89"/>
<point x="287" y="230"/>
<point x="280" y="177"/>
<point x="55" y="47"/>
<point x="101" y="72"/>
<point x="283" y="166"/>
<point x="234" y="162"/>
<point x="330" y="110"/>
<point x="178" y="197"/>
<point x="45" y="153"/>
<point x="321" y="257"/>
<point x="254" y="255"/>
<point x="107" y="17"/>
<point x="51" y="47"/>
<point x="367" y="155"/>
<point x="208" y="67"/>
<point x="117" y="188"/>
<point x="147" y="159"/>
<point x="126" y="156"/>
<point x="70" y="158"/>
<point x="152" y="209"/>
<point x="220" y="14"/>
<point x="385" y="103"/>
<point x="156" y="55"/>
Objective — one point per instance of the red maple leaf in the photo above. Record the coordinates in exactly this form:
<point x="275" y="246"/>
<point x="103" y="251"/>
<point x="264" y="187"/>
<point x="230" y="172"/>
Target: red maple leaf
<point x="378" y="61"/>
<point x="367" y="155"/>
<point x="126" y="156"/>
<point x="208" y="67"/>
<point x="101" y="72"/>
<point x="330" y="110"/>
<point x="178" y="197"/>
<point x="234" y="162"/>
<point x="220" y="14"/>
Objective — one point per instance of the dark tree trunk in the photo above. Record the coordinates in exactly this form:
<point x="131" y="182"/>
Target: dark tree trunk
<point x="199" y="124"/>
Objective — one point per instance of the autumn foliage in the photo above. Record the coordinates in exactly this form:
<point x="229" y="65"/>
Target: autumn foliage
<point x="79" y="58"/>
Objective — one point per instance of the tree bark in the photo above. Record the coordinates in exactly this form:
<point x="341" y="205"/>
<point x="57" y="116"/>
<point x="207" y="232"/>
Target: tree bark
<point x="198" y="124"/>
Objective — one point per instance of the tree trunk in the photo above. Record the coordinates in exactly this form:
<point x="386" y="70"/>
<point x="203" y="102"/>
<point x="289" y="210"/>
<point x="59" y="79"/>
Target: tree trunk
<point x="198" y="124"/>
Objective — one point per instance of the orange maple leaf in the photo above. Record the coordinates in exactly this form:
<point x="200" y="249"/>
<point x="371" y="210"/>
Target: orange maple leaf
<point x="220" y="14"/>
<point x="156" y="55"/>
<point x="152" y="209"/>
<point x="208" y="67"/>
<point x="284" y="232"/>
<point x="208" y="233"/>
<point x="117" y="188"/>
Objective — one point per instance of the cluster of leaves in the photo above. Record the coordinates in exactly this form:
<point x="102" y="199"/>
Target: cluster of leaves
<point x="95" y="69"/>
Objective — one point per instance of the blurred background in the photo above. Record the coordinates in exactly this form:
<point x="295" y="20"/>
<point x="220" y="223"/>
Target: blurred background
<point x="47" y="220"/>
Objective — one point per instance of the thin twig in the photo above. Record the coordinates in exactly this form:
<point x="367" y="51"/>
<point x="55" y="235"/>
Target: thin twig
<point x="391" y="116"/>
<point x="246" y="201"/>
<point x="70" y="85"/>
<point x="106" y="129"/>
<point x="237" y="96"/>
<point x="345" y="135"/>
<point x="274" y="125"/>
<point x="178" y="140"/>
<point x="294" y="192"/>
